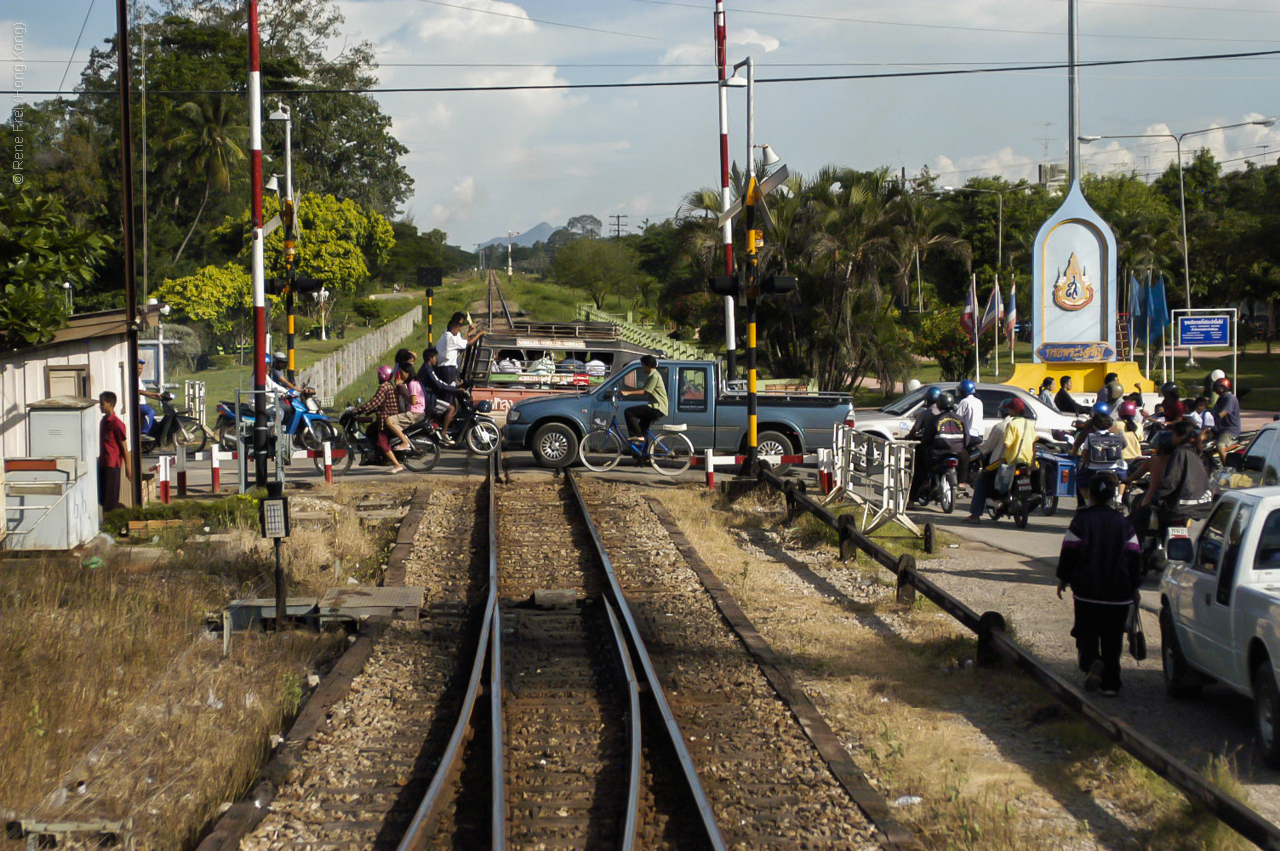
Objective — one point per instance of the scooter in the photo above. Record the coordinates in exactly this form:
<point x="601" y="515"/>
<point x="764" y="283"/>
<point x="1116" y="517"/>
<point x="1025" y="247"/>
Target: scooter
<point x="172" y="429"/>
<point x="307" y="425"/>
<point x="1019" y="500"/>
<point x="420" y="455"/>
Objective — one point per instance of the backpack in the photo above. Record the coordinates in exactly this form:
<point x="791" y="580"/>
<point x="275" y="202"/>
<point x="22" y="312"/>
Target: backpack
<point x="1105" y="449"/>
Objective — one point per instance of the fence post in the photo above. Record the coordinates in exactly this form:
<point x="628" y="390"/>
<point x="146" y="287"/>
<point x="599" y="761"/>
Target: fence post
<point x="793" y="504"/>
<point x="181" y="458"/>
<point x="930" y="538"/>
<point x="906" y="572"/>
<point x="328" y="462"/>
<point x="162" y="471"/>
<point x="215" y="468"/>
<point x="848" y="549"/>
<point x="989" y="622"/>
<point x="711" y="469"/>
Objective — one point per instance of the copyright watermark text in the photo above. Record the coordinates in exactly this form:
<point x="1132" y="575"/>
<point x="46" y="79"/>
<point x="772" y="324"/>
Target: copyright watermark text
<point x="17" y="115"/>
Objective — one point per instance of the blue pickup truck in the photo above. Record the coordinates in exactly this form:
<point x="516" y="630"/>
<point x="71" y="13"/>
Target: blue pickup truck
<point x="715" y="418"/>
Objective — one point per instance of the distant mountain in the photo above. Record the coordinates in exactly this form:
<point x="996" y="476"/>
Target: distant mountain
<point x="538" y="233"/>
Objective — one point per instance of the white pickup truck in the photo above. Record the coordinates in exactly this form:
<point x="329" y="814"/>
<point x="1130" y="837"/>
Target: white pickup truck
<point x="1220" y="611"/>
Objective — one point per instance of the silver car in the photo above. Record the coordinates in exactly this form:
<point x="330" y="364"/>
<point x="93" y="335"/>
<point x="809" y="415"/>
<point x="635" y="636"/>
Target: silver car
<point x="895" y="419"/>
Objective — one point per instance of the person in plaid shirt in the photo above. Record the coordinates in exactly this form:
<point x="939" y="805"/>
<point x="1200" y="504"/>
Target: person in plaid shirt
<point x="383" y="403"/>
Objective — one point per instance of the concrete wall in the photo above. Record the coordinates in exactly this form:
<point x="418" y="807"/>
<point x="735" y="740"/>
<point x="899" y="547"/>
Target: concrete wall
<point x="330" y="375"/>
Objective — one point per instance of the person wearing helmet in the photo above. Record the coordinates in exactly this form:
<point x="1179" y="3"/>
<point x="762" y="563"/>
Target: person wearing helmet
<point x="941" y="436"/>
<point x="1226" y="416"/>
<point x="970" y="410"/>
<point x="1131" y="430"/>
<point x="276" y="369"/>
<point x="384" y="405"/>
<point x="1114" y="392"/>
<point x="1065" y="403"/>
<point x="1174" y="410"/>
<point x="1180" y="489"/>
<point x="1100" y="446"/>
<point x="145" y="411"/>
<point x="1015" y="444"/>
<point x="1207" y="385"/>
<point x="924" y="412"/>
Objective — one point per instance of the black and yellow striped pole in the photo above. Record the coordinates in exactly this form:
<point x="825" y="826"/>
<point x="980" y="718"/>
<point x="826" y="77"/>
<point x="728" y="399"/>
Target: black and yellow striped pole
<point x="430" y="277"/>
<point x="755" y="240"/>
<point x="290" y="270"/>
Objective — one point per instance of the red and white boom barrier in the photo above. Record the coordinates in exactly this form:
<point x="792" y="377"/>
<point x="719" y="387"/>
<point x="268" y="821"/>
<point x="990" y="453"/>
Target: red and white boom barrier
<point x="710" y="460"/>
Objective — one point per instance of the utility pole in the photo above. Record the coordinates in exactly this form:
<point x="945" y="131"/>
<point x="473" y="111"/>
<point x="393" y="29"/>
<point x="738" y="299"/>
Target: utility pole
<point x="617" y="224"/>
<point x="258" y="270"/>
<point x="130" y="248"/>
<point x="510" y="234"/>
<point x="730" y="331"/>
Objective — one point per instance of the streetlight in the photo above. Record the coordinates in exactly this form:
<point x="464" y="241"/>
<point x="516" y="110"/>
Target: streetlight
<point x="510" y="234"/>
<point x="999" y="216"/>
<point x="1182" y="191"/>
<point x="66" y="290"/>
<point x="283" y="113"/>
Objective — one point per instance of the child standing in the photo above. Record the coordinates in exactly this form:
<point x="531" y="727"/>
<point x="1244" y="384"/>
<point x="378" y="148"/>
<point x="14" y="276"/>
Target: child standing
<point x="113" y="453"/>
<point x="1100" y="562"/>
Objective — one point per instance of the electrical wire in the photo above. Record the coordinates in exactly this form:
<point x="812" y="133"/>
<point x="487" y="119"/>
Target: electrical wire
<point x="525" y="87"/>
<point x="950" y="27"/>
<point x="71" y="58"/>
<point x="550" y="23"/>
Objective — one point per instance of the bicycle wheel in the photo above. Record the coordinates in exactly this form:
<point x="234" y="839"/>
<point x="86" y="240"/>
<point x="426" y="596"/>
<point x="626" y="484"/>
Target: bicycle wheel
<point x="671" y="453"/>
<point x="191" y="434"/>
<point x="424" y="456"/>
<point x="600" y="450"/>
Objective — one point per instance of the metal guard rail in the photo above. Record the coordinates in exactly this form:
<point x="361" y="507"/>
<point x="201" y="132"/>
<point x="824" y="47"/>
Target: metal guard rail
<point x="994" y="643"/>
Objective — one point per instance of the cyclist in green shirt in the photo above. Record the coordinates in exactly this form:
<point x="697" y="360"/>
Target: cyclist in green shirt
<point x="641" y="417"/>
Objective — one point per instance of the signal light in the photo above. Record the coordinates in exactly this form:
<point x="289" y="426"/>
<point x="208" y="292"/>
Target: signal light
<point x="725" y="285"/>
<point x="430" y="277"/>
<point x="778" y="284"/>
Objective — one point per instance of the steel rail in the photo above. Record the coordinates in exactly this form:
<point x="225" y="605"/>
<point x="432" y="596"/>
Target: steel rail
<point x="488" y="655"/>
<point x="634" y="733"/>
<point x="992" y="639"/>
<point x="654" y="690"/>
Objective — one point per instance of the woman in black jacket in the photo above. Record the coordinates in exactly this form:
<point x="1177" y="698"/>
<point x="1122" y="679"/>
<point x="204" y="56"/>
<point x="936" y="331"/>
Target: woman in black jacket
<point x="1100" y="562"/>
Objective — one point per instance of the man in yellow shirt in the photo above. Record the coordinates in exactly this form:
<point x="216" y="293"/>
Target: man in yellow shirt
<point x="640" y="417"/>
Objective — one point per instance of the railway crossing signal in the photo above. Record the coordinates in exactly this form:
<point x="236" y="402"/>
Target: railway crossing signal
<point x="430" y="277"/>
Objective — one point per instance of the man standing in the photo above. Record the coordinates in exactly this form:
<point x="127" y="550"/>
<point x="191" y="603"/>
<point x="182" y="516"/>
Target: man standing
<point x="113" y="453"/>
<point x="452" y="344"/>
<point x="640" y="417"/>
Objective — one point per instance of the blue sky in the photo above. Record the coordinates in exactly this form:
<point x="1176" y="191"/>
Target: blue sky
<point x="486" y="163"/>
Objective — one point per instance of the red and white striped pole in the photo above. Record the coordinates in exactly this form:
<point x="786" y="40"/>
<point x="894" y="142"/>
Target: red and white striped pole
<point x="259" y="275"/>
<point x="215" y="469"/>
<point x="730" y="330"/>
<point x="328" y="463"/>
<point x="180" y="459"/>
<point x="162" y="471"/>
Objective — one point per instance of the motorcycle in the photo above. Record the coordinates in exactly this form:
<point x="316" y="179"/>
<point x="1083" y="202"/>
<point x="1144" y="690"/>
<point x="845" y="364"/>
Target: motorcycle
<point x="420" y="455"/>
<point x="472" y="425"/>
<point x="308" y="426"/>
<point x="942" y="484"/>
<point x="1019" y="499"/>
<point x="1163" y="542"/>
<point x="172" y="429"/>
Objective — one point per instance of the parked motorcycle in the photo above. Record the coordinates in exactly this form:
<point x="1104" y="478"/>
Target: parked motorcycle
<point x="308" y="426"/>
<point x="420" y="455"/>
<point x="173" y="428"/>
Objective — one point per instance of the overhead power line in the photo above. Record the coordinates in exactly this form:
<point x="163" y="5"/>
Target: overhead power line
<point x="526" y="87"/>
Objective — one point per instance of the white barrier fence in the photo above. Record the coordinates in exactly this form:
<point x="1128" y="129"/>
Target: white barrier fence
<point x="874" y="473"/>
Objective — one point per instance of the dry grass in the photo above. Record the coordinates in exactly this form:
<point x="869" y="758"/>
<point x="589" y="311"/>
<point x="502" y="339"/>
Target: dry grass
<point x="114" y="703"/>
<point x="899" y="687"/>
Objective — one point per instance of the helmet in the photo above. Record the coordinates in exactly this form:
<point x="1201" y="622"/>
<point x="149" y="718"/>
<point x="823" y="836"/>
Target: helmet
<point x="1101" y="408"/>
<point x="946" y="402"/>
<point x="1115" y="390"/>
<point x="1127" y="410"/>
<point x="913" y="384"/>
<point x="931" y="395"/>
<point x="966" y="388"/>
<point x="1013" y="407"/>
<point x="1222" y="385"/>
<point x="1216" y="374"/>
<point x="384" y="373"/>
<point x="279" y="356"/>
<point x="1168" y="389"/>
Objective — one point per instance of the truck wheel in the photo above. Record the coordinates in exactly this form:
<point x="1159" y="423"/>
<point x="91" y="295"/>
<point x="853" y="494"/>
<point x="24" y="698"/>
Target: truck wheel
<point x="1179" y="680"/>
<point x="774" y="443"/>
<point x="555" y="445"/>
<point x="1266" y="710"/>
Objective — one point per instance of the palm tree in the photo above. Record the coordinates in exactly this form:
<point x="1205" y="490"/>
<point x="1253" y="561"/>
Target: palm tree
<point x="211" y="145"/>
<point x="921" y="227"/>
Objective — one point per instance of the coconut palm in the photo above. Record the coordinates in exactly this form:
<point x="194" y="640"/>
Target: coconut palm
<point x="211" y="145"/>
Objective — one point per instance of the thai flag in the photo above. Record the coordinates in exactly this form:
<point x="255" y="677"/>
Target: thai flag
<point x="1011" y="318"/>
<point x="994" y="312"/>
<point x="968" y="319"/>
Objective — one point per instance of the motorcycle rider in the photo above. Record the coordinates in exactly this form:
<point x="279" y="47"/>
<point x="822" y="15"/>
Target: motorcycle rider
<point x="1017" y="446"/>
<point x="280" y="363"/>
<point x="1174" y="410"/>
<point x="415" y="408"/>
<point x="1181" y="491"/>
<point x="1100" y="445"/>
<point x="1226" y="417"/>
<point x="382" y="403"/>
<point x="147" y="412"/>
<point x="942" y="435"/>
<point x="922" y="413"/>
<point x="1131" y="430"/>
<point x="970" y="410"/>
<point x="436" y="389"/>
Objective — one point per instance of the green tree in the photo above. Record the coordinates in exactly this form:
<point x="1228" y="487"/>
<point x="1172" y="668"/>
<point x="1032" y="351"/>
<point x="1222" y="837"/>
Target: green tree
<point x="216" y="297"/>
<point x="599" y="267"/>
<point x="940" y="337"/>
<point x="211" y="146"/>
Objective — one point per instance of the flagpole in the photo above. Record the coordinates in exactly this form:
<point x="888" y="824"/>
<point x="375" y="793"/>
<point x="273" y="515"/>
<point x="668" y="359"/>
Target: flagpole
<point x="995" y="353"/>
<point x="1011" y="330"/>
<point x="977" y="327"/>
<point x="1147" y="347"/>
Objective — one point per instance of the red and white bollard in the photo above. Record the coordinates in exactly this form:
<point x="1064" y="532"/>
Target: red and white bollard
<point x="711" y="470"/>
<point x="825" y="468"/>
<point x="328" y="462"/>
<point x="215" y="471"/>
<point x="162" y="473"/>
<point x="181" y="467"/>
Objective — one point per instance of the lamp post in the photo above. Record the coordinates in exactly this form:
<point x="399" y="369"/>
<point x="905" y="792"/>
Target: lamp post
<point x="1182" y="191"/>
<point x="283" y="113"/>
<point x="999" y="216"/>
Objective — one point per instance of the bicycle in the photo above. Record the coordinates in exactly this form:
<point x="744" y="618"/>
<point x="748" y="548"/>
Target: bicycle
<point x="670" y="453"/>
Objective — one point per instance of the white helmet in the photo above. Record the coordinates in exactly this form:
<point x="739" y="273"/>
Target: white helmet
<point x="1216" y="374"/>
<point x="913" y="384"/>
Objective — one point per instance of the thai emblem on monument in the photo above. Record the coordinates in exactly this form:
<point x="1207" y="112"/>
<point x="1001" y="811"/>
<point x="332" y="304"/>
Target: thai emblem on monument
<point x="1073" y="289"/>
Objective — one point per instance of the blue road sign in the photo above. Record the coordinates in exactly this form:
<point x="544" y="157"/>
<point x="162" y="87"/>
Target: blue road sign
<point x="1211" y="330"/>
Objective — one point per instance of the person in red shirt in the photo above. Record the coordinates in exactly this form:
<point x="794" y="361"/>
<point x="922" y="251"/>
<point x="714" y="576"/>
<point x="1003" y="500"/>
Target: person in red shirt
<point x="113" y="454"/>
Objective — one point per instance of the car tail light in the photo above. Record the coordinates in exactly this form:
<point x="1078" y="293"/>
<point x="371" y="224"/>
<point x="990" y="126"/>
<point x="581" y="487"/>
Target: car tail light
<point x="850" y="419"/>
<point x="952" y="462"/>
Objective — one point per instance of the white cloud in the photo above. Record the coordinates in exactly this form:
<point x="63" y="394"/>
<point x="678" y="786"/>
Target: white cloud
<point x="455" y="24"/>
<point x="749" y="37"/>
<point x="461" y="205"/>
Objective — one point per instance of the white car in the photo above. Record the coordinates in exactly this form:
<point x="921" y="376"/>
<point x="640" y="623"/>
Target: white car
<point x="895" y="419"/>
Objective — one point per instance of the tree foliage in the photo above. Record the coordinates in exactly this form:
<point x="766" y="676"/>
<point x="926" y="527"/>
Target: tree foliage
<point x="216" y="297"/>
<point x="599" y="267"/>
